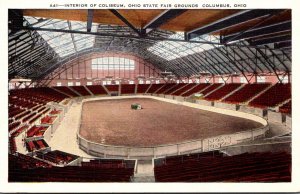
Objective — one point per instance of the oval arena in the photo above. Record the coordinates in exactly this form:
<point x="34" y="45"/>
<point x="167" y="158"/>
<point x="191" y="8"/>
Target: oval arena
<point x="110" y="128"/>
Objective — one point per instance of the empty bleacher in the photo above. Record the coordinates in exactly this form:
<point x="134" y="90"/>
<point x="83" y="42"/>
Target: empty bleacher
<point x="81" y="90"/>
<point x="223" y="91"/>
<point x="57" y="157"/>
<point x="112" y="88"/>
<point x="128" y="89"/>
<point x="142" y="88"/>
<point x="36" y="145"/>
<point x="173" y="89"/>
<point x="97" y="89"/>
<point x="286" y="108"/>
<point x="214" y="167"/>
<point x="210" y="88"/>
<point x="273" y="96"/>
<point x="165" y="88"/>
<point x="66" y="90"/>
<point x="184" y="89"/>
<point x="154" y="87"/>
<point x="94" y="171"/>
<point x="196" y="89"/>
<point x="21" y="161"/>
<point x="246" y="93"/>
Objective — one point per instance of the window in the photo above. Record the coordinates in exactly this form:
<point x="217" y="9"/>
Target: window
<point x="117" y="82"/>
<point x="77" y="83"/>
<point x="70" y="83"/>
<point x="141" y="81"/>
<point x="104" y="82"/>
<point x="157" y="81"/>
<point x="190" y="81"/>
<point x="89" y="83"/>
<point x="58" y="84"/>
<point x="177" y="81"/>
<point x="243" y="80"/>
<point x="148" y="82"/>
<point x="284" y="79"/>
<point x="197" y="81"/>
<point x="131" y="82"/>
<point x="111" y="63"/>
<point x="108" y="82"/>
<point x="221" y="80"/>
<point x="261" y="79"/>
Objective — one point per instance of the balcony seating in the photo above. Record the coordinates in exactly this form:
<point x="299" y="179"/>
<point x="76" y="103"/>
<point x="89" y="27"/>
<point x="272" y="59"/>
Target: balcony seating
<point x="66" y="90"/>
<point x="97" y="89"/>
<point x="36" y="131"/>
<point x="246" y="93"/>
<point x="48" y="119"/>
<point x="36" y="145"/>
<point x="154" y="87"/>
<point x="57" y="157"/>
<point x="286" y="108"/>
<point x="178" y="86"/>
<point x="21" y="161"/>
<point x="210" y="88"/>
<point x="165" y="88"/>
<point x="196" y="89"/>
<point x="142" y="88"/>
<point x="223" y="91"/>
<point x="273" y="96"/>
<point x="128" y="89"/>
<point x="101" y="172"/>
<point x="247" y="167"/>
<point x="112" y="88"/>
<point x="184" y="89"/>
<point x="81" y="90"/>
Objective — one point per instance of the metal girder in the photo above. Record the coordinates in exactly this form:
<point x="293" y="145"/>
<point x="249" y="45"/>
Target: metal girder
<point x="280" y="61"/>
<point x="232" y="20"/>
<point x="89" y="20"/>
<point x="163" y="18"/>
<point x="282" y="38"/>
<point x="116" y="35"/>
<point x="72" y="36"/>
<point x="260" y="31"/>
<point x="123" y="19"/>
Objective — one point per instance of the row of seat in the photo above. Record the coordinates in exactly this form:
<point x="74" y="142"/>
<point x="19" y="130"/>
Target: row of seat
<point x="57" y="157"/>
<point x="250" y="167"/>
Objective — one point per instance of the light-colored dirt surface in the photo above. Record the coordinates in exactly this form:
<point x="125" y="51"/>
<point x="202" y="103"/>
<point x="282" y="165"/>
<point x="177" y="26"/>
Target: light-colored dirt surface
<point x="113" y="122"/>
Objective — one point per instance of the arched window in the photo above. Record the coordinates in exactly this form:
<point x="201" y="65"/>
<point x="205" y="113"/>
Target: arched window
<point x="111" y="63"/>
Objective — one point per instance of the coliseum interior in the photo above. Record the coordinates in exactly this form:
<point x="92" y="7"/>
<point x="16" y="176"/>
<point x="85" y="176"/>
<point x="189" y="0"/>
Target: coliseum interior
<point x="214" y="86"/>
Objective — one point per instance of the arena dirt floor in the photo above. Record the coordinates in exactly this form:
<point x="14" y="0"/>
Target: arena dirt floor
<point x="113" y="122"/>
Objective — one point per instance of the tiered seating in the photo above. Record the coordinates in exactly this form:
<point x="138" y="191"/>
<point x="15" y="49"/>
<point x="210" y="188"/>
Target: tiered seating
<point x="184" y="89"/>
<point x="246" y="93"/>
<point x="19" y="130"/>
<point x="115" y="163"/>
<point x="57" y="157"/>
<point x="81" y="90"/>
<point x="127" y="88"/>
<point x="36" y="131"/>
<point x="178" y="86"/>
<point x="36" y="145"/>
<point x="12" y="145"/>
<point x="210" y="88"/>
<point x="13" y="125"/>
<point x="70" y="174"/>
<point x="66" y="90"/>
<point x="286" y="108"/>
<point x="85" y="173"/>
<point x="223" y="91"/>
<point x="165" y="88"/>
<point x="97" y="89"/>
<point x="248" y="167"/>
<point x="154" y="87"/>
<point x="55" y="112"/>
<point x="273" y="96"/>
<point x="48" y="119"/>
<point x="25" y="119"/>
<point x="20" y="161"/>
<point x="142" y="88"/>
<point x="196" y="89"/>
<point x="112" y="88"/>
